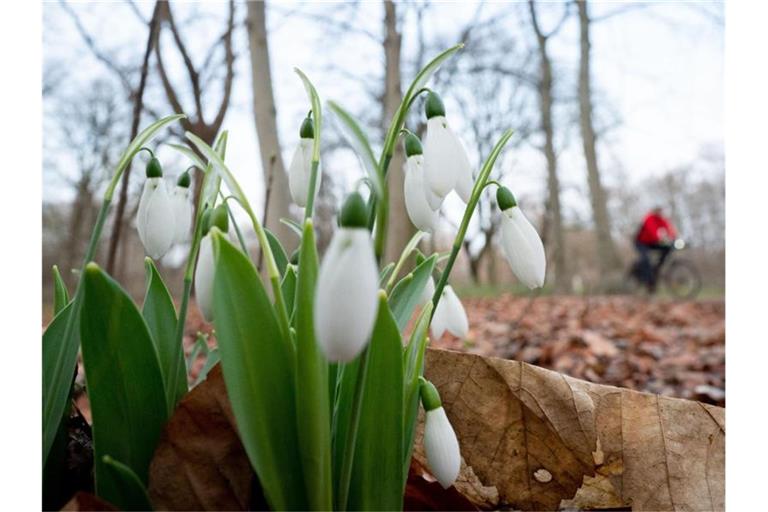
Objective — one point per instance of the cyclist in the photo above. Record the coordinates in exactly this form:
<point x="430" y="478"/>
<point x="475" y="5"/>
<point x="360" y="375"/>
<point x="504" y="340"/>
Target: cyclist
<point x="656" y="234"/>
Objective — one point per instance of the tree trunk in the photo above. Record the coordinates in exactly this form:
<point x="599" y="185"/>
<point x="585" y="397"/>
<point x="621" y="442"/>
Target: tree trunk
<point x="554" y="216"/>
<point x="606" y="251"/>
<point x="400" y="229"/>
<point x="265" y="114"/>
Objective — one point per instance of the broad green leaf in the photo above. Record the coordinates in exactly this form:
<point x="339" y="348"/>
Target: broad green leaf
<point x="407" y="292"/>
<point x="316" y="112"/>
<point x="288" y="286"/>
<point x="281" y="258"/>
<point x="60" y="293"/>
<point x="312" y="402"/>
<point x="160" y="315"/>
<point x="355" y="137"/>
<point x="258" y="368"/>
<point x="124" y="380"/>
<point x="60" y="355"/>
<point x="377" y="475"/>
<point x="413" y="364"/>
<point x="57" y="352"/>
<point x="211" y="360"/>
<point x="127" y="491"/>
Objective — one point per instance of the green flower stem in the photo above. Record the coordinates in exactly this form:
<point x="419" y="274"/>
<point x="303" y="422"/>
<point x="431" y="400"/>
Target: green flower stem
<point x="311" y="194"/>
<point x="345" y="474"/>
<point x="407" y="250"/>
<point x="474" y="198"/>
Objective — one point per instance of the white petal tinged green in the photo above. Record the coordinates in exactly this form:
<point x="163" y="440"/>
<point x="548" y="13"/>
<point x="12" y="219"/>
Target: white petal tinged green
<point x="445" y="160"/>
<point x="442" y="447"/>
<point x="204" y="273"/>
<point x="346" y="299"/>
<point x="419" y="210"/>
<point x="155" y="218"/>
<point x="449" y="316"/>
<point x="523" y="248"/>
<point x="300" y="172"/>
<point x="181" y="199"/>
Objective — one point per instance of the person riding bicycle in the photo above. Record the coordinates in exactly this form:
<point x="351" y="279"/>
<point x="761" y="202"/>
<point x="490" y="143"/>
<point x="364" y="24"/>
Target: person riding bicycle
<point x="656" y="234"/>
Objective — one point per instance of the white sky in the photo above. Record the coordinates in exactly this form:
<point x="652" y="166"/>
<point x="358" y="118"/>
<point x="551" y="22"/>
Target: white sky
<point x="660" y="67"/>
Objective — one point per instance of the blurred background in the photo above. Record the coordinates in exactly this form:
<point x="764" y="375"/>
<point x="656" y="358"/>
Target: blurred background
<point x="617" y="107"/>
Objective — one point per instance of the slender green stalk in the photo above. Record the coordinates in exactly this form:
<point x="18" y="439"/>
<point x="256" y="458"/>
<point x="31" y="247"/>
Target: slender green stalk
<point x="311" y="194"/>
<point x="474" y="198"/>
<point x="407" y="250"/>
<point x="345" y="474"/>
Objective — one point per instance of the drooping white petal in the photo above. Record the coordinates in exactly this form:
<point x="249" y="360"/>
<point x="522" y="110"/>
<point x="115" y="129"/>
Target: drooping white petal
<point x="442" y="447"/>
<point x="346" y="299"/>
<point x="449" y="316"/>
<point x="523" y="248"/>
<point x="434" y="200"/>
<point x="465" y="181"/>
<point x="181" y="198"/>
<point x="439" y="170"/>
<point x="204" y="278"/>
<point x="429" y="291"/>
<point x="300" y="172"/>
<point x="421" y="214"/>
<point x="155" y="219"/>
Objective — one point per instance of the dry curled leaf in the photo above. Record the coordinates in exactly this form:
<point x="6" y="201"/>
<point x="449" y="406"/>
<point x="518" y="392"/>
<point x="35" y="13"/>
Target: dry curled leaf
<point x="87" y="502"/>
<point x="545" y="440"/>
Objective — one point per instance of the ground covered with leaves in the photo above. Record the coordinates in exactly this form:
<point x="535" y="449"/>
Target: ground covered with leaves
<point x="673" y="348"/>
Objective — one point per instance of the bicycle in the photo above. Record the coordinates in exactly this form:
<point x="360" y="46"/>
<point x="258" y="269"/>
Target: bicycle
<point x="677" y="275"/>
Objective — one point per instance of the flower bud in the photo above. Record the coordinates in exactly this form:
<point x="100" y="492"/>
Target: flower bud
<point x="415" y="192"/>
<point x="521" y="243"/>
<point x="354" y="213"/>
<point x="446" y="163"/>
<point x="428" y="292"/>
<point x="449" y="316"/>
<point x="440" y="443"/>
<point x="155" y="217"/>
<point x="204" y="272"/>
<point x="181" y="199"/>
<point x="434" y="105"/>
<point x="300" y="169"/>
<point x="346" y="299"/>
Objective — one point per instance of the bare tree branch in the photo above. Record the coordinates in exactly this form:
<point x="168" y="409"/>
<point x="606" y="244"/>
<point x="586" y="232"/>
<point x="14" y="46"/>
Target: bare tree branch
<point x="229" y="59"/>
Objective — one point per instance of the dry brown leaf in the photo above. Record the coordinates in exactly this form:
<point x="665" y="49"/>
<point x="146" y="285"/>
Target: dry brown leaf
<point x="87" y="502"/>
<point x="200" y="463"/>
<point x="545" y="440"/>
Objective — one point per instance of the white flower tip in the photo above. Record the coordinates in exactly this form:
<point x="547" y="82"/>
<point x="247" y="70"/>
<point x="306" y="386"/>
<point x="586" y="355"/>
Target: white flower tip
<point x="442" y="447"/>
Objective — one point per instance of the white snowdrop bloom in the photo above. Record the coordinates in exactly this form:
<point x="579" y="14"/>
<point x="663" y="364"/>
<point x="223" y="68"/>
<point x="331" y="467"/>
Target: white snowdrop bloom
<point x="300" y="169"/>
<point x="155" y="219"/>
<point x="446" y="163"/>
<point x="429" y="291"/>
<point x="346" y="297"/>
<point x="181" y="199"/>
<point x="419" y="211"/>
<point x="449" y="316"/>
<point x="440" y="442"/>
<point x="205" y="270"/>
<point x="204" y="273"/>
<point x="521" y="243"/>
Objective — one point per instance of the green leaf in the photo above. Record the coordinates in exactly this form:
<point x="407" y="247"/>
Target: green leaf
<point x="377" y="475"/>
<point x="127" y="491"/>
<point x="312" y="402"/>
<point x="385" y="272"/>
<point x="295" y="226"/>
<point x="413" y="362"/>
<point x="187" y="152"/>
<point x="288" y="285"/>
<point x="160" y="315"/>
<point x="200" y="346"/>
<point x="124" y="380"/>
<point x="407" y="292"/>
<point x="211" y="360"/>
<point x="281" y="258"/>
<point x="60" y="293"/>
<point x="258" y="368"/>
<point x="316" y="112"/>
<point x="356" y="138"/>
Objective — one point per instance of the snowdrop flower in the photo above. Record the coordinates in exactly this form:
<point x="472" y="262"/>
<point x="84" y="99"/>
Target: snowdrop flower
<point x="449" y="316"/>
<point x="446" y="164"/>
<point x="440" y="443"/>
<point x="429" y="291"/>
<point x="346" y="298"/>
<point x="520" y="242"/>
<point x="416" y="203"/>
<point x="300" y="170"/>
<point x="204" y="272"/>
<point x="181" y="198"/>
<point x="154" y="220"/>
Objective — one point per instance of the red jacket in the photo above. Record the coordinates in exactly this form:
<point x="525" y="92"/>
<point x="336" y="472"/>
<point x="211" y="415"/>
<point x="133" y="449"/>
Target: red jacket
<point x="655" y="229"/>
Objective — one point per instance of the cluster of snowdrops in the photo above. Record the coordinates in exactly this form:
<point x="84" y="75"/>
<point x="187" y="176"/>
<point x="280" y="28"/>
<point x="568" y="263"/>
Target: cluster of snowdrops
<point x="324" y="388"/>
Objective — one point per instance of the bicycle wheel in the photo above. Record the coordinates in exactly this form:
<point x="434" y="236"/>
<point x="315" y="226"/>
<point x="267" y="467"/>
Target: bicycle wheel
<point x="681" y="279"/>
